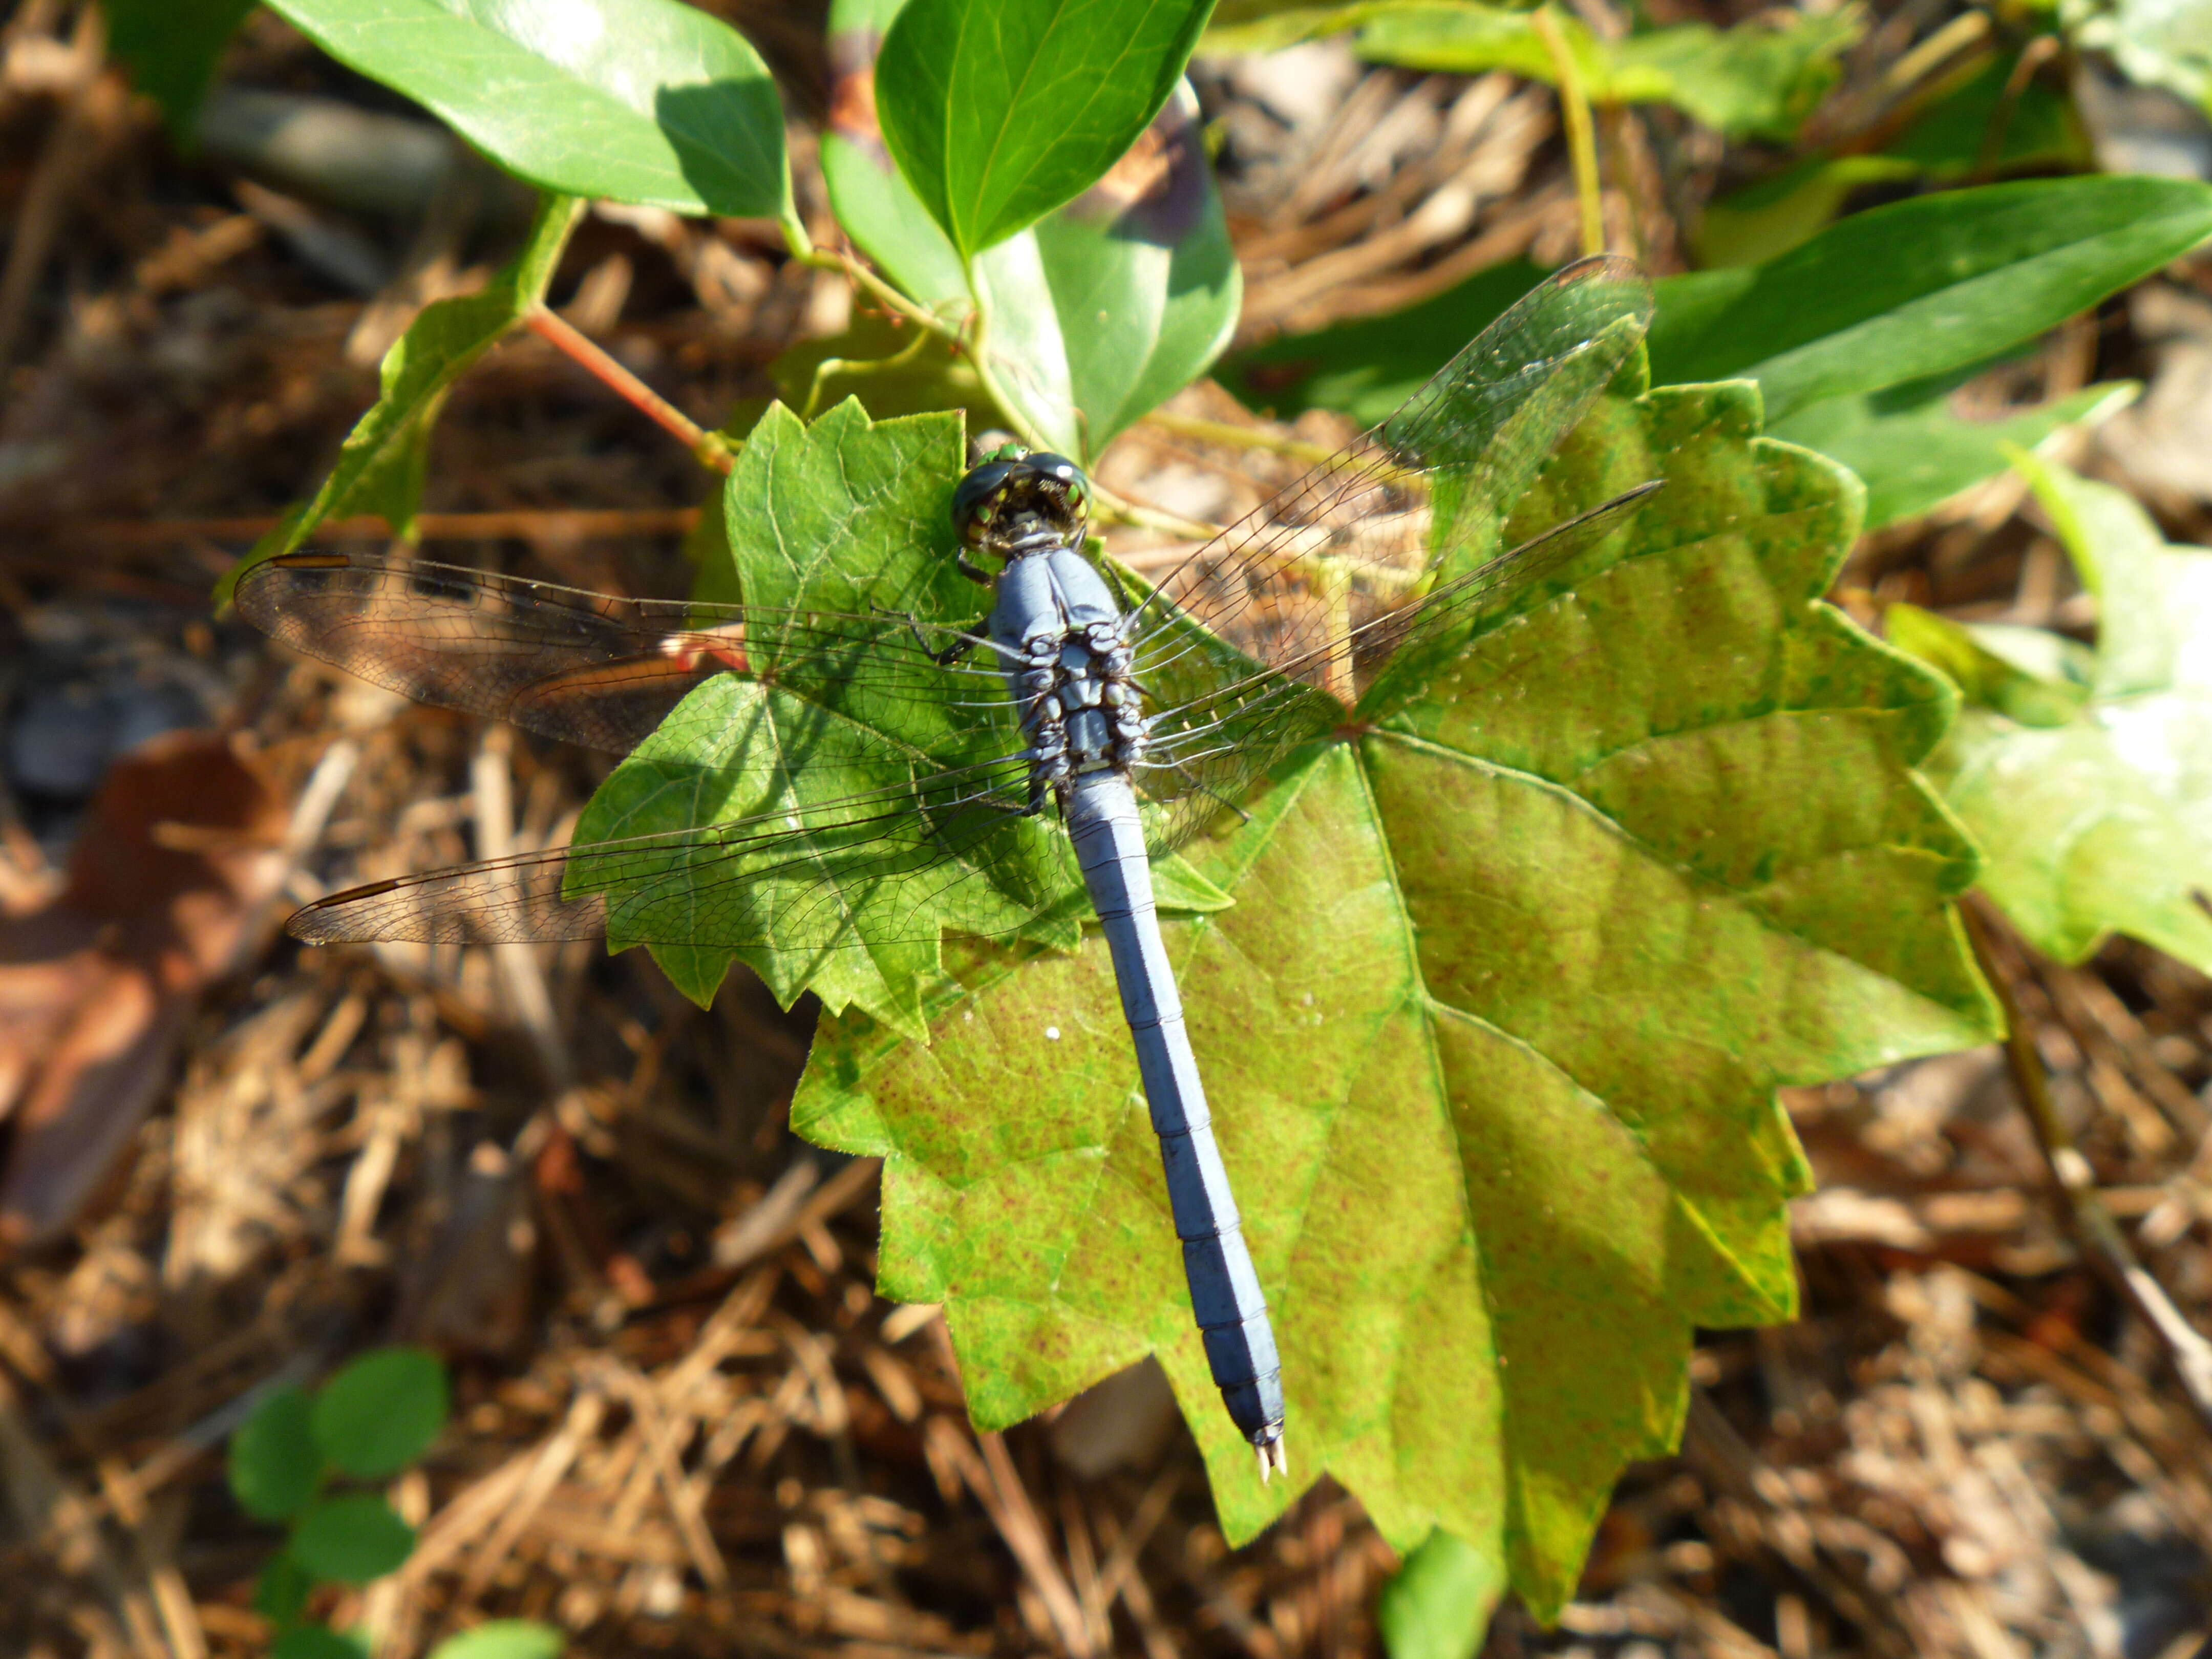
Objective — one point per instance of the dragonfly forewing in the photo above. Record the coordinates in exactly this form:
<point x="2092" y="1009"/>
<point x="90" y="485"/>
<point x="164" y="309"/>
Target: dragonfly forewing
<point x="582" y="667"/>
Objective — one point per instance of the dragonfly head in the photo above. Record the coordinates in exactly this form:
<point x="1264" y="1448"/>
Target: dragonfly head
<point x="1017" y="501"/>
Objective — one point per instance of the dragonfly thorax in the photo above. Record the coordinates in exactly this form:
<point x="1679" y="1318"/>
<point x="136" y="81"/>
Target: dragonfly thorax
<point x="1064" y="648"/>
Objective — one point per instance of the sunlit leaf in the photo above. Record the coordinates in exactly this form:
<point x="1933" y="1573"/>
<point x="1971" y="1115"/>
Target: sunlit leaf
<point x="1090" y="317"/>
<point x="1243" y="26"/>
<point x="1752" y="80"/>
<point x="1922" y="287"/>
<point x="999" y="111"/>
<point x="634" y="100"/>
<point x="1437" y="1604"/>
<point x="2086" y="779"/>
<point x="503" y="1638"/>
<point x="2160" y="42"/>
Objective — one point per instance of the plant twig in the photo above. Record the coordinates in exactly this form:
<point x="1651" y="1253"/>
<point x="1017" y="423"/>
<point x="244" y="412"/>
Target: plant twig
<point x="2032" y="57"/>
<point x="1582" y="136"/>
<point x="1230" y="435"/>
<point x="711" y="449"/>
<point x="859" y="366"/>
<point x="967" y="341"/>
<point x="2093" y="1223"/>
<point x="524" y="524"/>
<point x="1116" y="509"/>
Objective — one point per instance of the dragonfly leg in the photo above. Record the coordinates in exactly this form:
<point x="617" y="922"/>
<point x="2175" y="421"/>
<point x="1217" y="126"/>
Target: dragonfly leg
<point x="1122" y="601"/>
<point x="961" y="646"/>
<point x="974" y="572"/>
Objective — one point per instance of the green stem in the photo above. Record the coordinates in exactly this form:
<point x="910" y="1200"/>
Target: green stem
<point x="1581" y="134"/>
<point x="1232" y="436"/>
<point x="969" y="343"/>
<point x="859" y="366"/>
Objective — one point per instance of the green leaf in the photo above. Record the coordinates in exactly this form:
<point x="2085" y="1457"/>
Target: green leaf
<point x="999" y="111"/>
<point x="1768" y="218"/>
<point x="1922" y="287"/>
<point x="1895" y="298"/>
<point x="1752" y="80"/>
<point x="2033" y="125"/>
<point x="504" y="1639"/>
<point x="1367" y="368"/>
<point x="1912" y="453"/>
<point x="380" y="467"/>
<point x="1088" y="318"/>
<point x="633" y="100"/>
<point x="887" y="369"/>
<point x="381" y="1412"/>
<point x="2035" y="129"/>
<point x="2096" y="820"/>
<point x="1437" y="1604"/>
<point x="1492" y="1033"/>
<point x="1978" y="661"/>
<point x="275" y="1464"/>
<point x="170" y="47"/>
<point x="317" y="1641"/>
<point x="351" y="1539"/>
<point x="1755" y="79"/>
<point x="281" y="1589"/>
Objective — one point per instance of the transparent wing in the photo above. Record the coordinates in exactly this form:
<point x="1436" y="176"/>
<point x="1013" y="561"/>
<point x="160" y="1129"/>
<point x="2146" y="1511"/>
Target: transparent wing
<point x="847" y="811"/>
<point x="1418" y="501"/>
<point x="584" y="667"/>
<point x="870" y="868"/>
<point x="1205" y="752"/>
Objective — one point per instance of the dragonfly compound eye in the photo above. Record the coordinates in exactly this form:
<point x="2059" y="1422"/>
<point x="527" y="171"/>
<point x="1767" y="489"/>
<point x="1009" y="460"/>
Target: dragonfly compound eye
<point x="978" y="500"/>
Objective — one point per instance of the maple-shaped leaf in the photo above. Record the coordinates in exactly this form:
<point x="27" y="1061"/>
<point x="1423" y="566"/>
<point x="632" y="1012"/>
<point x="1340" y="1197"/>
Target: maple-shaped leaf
<point x="2085" y="775"/>
<point x="1491" y="1031"/>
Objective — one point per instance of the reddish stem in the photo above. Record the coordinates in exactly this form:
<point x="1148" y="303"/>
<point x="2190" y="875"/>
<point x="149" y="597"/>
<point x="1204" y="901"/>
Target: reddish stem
<point x="564" y="338"/>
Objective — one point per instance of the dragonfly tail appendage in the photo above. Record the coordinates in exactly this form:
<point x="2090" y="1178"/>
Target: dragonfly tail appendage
<point x="1225" y="1288"/>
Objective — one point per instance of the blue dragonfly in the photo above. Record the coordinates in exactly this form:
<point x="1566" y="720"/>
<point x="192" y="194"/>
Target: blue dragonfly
<point x="928" y="774"/>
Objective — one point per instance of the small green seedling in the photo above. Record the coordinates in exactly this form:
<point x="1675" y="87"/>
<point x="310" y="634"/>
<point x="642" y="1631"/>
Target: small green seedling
<point x="297" y="1461"/>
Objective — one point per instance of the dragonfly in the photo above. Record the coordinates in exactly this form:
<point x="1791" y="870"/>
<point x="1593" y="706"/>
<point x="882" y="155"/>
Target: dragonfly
<point x="1092" y="720"/>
